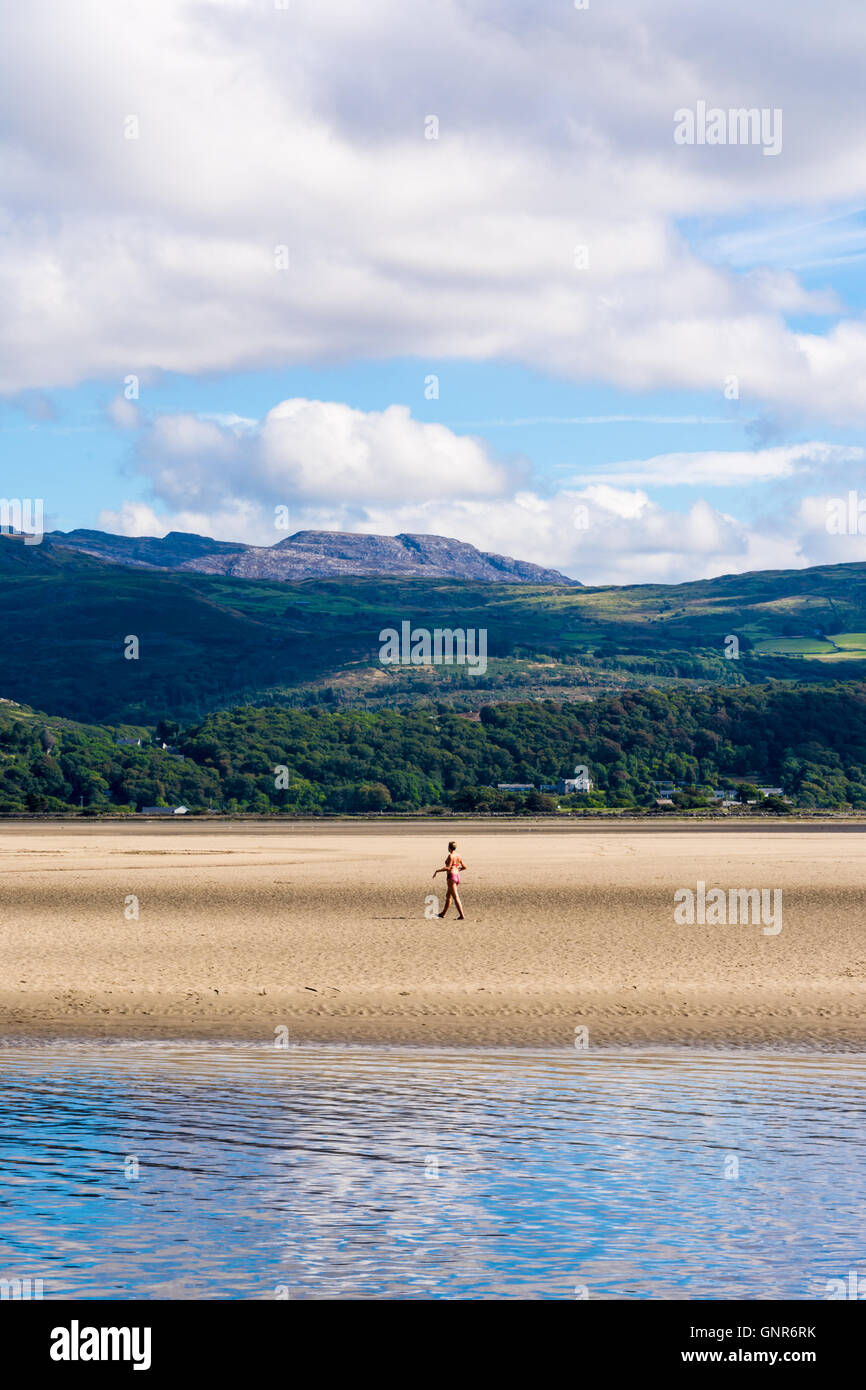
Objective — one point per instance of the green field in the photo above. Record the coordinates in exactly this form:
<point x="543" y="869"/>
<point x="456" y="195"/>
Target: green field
<point x="836" y="646"/>
<point x="795" y="646"/>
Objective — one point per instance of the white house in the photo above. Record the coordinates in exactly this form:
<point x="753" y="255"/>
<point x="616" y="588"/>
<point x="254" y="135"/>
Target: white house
<point x="581" y="783"/>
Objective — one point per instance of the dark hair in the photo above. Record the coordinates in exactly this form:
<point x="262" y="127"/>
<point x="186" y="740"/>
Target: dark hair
<point x="452" y="844"/>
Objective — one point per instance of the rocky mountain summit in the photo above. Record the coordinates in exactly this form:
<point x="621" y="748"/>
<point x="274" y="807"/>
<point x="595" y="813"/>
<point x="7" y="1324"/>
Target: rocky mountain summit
<point x="311" y="555"/>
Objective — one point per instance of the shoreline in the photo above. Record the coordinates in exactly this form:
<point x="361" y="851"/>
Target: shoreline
<point x="607" y="823"/>
<point x="813" y="1036"/>
<point x="23" y="1039"/>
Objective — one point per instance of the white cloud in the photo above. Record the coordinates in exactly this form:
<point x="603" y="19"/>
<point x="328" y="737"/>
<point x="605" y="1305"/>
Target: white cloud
<point x="241" y="521"/>
<point x="817" y="520"/>
<point x="322" y="450"/>
<point x="304" y="127"/>
<point x="308" y="453"/>
<point x="730" y="468"/>
<point x="124" y="413"/>
<point x="337" y="468"/>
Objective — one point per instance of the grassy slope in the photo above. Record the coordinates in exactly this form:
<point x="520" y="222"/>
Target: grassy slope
<point x="208" y="642"/>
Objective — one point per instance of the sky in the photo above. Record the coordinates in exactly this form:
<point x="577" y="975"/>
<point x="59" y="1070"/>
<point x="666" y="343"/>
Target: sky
<point x="510" y="273"/>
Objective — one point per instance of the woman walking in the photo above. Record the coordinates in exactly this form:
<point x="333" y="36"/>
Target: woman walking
<point x="451" y="869"/>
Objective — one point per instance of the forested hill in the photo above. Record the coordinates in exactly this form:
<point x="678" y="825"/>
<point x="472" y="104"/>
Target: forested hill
<point x="207" y="642"/>
<point x="809" y="740"/>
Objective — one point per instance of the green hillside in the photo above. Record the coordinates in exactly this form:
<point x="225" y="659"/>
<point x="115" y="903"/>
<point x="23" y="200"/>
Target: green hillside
<point x="210" y="642"/>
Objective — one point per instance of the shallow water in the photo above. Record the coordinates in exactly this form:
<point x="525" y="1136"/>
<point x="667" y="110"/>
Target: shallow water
<point x="370" y="1172"/>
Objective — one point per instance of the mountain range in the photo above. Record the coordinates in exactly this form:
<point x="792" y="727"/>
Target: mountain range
<point x="311" y="555"/>
<point x="209" y="641"/>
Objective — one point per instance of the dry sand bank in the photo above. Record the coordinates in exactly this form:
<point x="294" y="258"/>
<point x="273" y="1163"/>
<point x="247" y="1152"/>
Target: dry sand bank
<point x="321" y="930"/>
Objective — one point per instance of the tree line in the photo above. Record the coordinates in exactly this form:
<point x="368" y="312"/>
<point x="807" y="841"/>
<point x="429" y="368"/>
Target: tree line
<point x="809" y="740"/>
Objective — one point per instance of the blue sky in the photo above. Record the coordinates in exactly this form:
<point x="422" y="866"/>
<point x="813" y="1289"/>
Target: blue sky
<point x="651" y="357"/>
<point x="556" y="427"/>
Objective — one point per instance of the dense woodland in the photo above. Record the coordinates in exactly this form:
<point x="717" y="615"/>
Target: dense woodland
<point x="810" y="740"/>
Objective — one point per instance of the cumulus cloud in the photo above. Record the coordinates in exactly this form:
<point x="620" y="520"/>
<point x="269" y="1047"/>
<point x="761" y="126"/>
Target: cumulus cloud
<point x="311" y="452"/>
<point x="258" y="128"/>
<point x="322" y="449"/>
<point x="381" y="472"/>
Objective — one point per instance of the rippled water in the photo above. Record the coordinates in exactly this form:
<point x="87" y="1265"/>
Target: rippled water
<point x="360" y="1172"/>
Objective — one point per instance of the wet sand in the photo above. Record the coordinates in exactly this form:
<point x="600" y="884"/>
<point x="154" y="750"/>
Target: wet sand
<point x="246" y="930"/>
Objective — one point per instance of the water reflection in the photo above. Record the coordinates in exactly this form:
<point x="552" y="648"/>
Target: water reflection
<point x="173" y="1171"/>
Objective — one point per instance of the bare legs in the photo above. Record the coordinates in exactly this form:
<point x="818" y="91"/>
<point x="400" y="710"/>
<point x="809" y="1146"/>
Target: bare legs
<point x="452" y="896"/>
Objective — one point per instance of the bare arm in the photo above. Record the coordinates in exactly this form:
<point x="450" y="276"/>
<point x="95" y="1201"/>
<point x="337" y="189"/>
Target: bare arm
<point x="449" y="864"/>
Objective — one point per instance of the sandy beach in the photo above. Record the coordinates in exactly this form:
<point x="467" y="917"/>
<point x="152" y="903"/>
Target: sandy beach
<point x="247" y="929"/>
